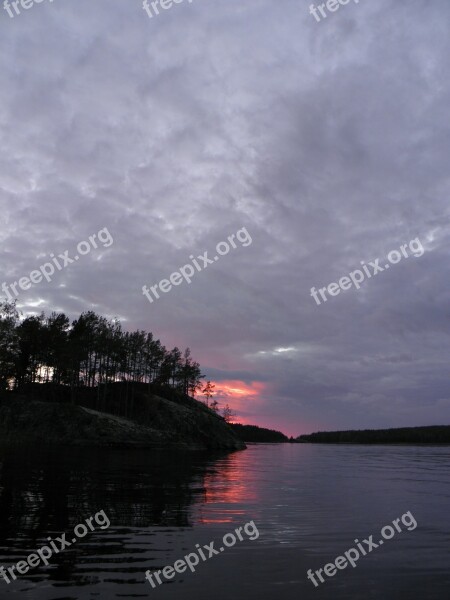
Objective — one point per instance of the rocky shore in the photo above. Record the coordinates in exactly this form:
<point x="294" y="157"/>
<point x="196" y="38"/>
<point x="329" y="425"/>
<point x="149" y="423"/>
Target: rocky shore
<point x="24" y="420"/>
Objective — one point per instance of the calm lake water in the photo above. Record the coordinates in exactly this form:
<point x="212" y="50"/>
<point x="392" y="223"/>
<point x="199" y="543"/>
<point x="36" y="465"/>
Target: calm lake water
<point x="308" y="502"/>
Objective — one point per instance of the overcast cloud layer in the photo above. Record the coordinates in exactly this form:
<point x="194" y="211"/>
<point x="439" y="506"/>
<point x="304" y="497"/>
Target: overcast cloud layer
<point x="328" y="141"/>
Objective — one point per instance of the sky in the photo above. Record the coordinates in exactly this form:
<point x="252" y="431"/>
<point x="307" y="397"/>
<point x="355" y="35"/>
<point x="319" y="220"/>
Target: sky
<point x="326" y="142"/>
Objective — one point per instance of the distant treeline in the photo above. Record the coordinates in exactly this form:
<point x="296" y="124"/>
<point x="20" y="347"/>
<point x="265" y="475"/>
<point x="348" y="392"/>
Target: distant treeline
<point x="252" y="433"/>
<point x="439" y="434"/>
<point x="90" y="352"/>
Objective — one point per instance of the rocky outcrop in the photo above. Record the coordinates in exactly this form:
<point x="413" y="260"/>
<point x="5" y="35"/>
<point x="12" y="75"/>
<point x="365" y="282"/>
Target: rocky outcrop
<point x="24" y="420"/>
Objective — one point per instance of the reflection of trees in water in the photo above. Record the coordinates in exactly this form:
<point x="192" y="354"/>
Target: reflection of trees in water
<point x="48" y="492"/>
<point x="55" y="490"/>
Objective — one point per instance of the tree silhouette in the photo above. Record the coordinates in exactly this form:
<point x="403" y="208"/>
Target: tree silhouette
<point x="228" y="414"/>
<point x="214" y="406"/>
<point x="92" y="352"/>
<point x="9" y="343"/>
<point x="208" y="391"/>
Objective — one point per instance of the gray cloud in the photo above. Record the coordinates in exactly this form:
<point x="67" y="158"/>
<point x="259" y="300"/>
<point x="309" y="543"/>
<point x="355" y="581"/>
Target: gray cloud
<point x="328" y="141"/>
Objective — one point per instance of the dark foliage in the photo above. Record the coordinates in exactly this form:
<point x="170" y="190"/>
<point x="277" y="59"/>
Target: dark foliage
<point x="91" y="353"/>
<point x="439" y="434"/>
<point x="252" y="433"/>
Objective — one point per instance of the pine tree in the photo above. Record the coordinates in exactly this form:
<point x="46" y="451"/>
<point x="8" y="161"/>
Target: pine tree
<point x="208" y="391"/>
<point x="228" y="414"/>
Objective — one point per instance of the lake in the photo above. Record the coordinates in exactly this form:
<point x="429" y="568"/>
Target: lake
<point x="308" y="503"/>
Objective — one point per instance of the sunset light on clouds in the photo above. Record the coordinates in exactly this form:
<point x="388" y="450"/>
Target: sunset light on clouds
<point x="187" y="174"/>
<point x="197" y="198"/>
<point x="251" y="403"/>
<point x="244" y="399"/>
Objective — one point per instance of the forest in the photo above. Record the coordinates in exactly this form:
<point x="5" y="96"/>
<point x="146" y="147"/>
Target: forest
<point x="253" y="433"/>
<point x="434" y="434"/>
<point x="90" y="352"/>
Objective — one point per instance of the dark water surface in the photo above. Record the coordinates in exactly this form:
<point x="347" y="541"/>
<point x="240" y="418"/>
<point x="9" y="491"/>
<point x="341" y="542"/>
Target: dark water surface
<point x="308" y="502"/>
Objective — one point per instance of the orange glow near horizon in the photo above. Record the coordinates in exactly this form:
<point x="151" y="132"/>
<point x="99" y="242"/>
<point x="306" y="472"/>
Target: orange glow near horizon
<point x="240" y="396"/>
<point x="226" y="491"/>
<point x="252" y="404"/>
